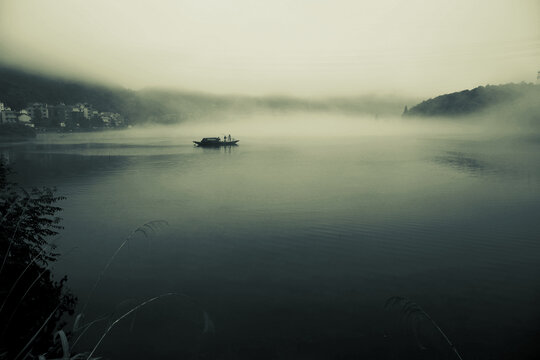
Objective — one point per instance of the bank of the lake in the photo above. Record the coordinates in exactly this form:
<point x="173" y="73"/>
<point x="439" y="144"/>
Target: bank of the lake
<point x="16" y="132"/>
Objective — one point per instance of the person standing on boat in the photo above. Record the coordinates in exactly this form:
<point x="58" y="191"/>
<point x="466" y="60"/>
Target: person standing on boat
<point x="229" y="137"/>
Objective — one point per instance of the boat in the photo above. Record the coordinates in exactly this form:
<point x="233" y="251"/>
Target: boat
<point x="216" y="142"/>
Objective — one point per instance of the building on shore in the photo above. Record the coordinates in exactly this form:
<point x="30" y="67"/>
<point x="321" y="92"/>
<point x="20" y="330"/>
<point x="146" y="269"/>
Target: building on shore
<point x="110" y="119"/>
<point x="69" y="117"/>
<point x="39" y="113"/>
<point x="58" y="115"/>
<point x="25" y="119"/>
<point x="8" y="116"/>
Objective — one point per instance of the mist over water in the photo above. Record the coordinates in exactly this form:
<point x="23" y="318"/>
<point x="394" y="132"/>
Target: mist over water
<point x="277" y="125"/>
<point x="375" y="160"/>
<point x="292" y="241"/>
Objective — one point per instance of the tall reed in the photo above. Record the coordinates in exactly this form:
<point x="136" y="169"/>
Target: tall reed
<point x="14" y="311"/>
<point x="20" y="277"/>
<point x="151" y="226"/>
<point x="123" y="316"/>
<point x="37" y="332"/>
<point x="11" y="239"/>
<point x="78" y="327"/>
<point x="413" y="314"/>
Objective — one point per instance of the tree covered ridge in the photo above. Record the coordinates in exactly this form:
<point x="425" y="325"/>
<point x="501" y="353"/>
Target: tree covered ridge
<point x="166" y="106"/>
<point x="31" y="300"/>
<point x="479" y="99"/>
<point x="18" y="89"/>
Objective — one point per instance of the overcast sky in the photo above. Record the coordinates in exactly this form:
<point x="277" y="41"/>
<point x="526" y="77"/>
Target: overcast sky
<point x="296" y="47"/>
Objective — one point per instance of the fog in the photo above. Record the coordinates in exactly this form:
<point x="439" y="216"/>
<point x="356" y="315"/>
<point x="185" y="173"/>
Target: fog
<point x="292" y="242"/>
<point x="515" y="112"/>
<point x="294" y="239"/>
<point x="305" y="127"/>
<point x="323" y="48"/>
<point x="355" y="179"/>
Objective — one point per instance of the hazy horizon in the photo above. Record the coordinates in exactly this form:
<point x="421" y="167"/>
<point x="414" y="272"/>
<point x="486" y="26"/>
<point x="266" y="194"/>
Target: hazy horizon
<point x="301" y="48"/>
<point x="365" y="195"/>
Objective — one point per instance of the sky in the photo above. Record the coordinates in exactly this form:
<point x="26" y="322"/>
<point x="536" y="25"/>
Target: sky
<point x="285" y="47"/>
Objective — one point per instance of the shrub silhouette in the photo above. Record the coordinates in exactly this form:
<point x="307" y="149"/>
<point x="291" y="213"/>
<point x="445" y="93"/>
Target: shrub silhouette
<point x="32" y="302"/>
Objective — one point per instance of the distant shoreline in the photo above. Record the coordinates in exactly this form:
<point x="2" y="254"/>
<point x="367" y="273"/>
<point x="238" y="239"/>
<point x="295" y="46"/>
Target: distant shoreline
<point x="16" y="133"/>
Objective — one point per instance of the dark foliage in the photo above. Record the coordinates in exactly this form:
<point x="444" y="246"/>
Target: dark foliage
<point x="18" y="89"/>
<point x="468" y="102"/>
<point x="28" y="291"/>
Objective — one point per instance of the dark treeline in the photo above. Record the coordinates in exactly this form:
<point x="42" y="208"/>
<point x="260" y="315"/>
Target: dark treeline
<point x="32" y="300"/>
<point x="18" y="89"/>
<point x="520" y="98"/>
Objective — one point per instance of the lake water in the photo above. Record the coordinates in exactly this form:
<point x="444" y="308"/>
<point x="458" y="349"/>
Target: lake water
<point x="289" y="247"/>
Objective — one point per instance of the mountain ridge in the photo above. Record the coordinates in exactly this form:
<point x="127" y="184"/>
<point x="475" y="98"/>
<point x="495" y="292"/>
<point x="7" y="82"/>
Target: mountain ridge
<point x="18" y="88"/>
<point x="521" y="99"/>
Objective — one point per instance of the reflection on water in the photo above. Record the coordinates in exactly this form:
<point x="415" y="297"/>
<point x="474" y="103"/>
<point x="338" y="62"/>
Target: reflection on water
<point x="292" y="246"/>
<point x="461" y="162"/>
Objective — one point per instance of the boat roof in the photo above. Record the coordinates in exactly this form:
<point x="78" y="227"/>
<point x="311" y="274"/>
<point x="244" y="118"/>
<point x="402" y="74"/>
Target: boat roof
<point x="211" y="138"/>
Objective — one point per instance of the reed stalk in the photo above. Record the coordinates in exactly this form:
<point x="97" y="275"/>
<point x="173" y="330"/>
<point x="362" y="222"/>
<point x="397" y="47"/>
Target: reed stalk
<point x="37" y="332"/>
<point x="122" y="317"/>
<point x="65" y="344"/>
<point x="13" y="235"/>
<point x="85" y="328"/>
<point x="19" y="278"/>
<point x="6" y="325"/>
<point x="149" y="226"/>
<point x="410" y="308"/>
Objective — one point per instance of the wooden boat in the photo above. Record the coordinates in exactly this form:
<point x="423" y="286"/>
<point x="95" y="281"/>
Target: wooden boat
<point x="215" y="142"/>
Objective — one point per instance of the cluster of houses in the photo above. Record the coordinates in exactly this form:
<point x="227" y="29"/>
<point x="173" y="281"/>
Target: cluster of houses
<point x="43" y="116"/>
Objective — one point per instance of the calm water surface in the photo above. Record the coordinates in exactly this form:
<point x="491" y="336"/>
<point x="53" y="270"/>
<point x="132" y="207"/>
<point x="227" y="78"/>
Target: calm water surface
<point x="292" y="246"/>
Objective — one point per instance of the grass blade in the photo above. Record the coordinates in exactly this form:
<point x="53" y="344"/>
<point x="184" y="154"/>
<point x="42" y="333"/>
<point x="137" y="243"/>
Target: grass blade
<point x="409" y="310"/>
<point x="123" y="316"/>
<point x="65" y="345"/>
<point x="155" y="224"/>
<point x="78" y="319"/>
<point x="37" y="332"/>
<point x="14" y="233"/>
<point x="85" y="328"/>
<point x="21" y="300"/>
<point x="20" y="276"/>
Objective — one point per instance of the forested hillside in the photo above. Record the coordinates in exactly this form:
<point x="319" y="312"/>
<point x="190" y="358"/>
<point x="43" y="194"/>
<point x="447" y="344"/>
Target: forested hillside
<point x="18" y="89"/>
<point x="518" y="99"/>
